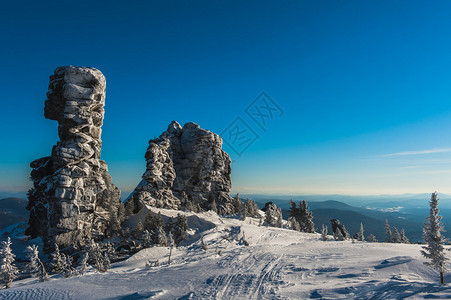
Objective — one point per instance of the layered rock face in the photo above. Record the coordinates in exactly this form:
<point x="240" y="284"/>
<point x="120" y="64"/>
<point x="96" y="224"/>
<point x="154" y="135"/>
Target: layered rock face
<point x="185" y="165"/>
<point x="73" y="197"/>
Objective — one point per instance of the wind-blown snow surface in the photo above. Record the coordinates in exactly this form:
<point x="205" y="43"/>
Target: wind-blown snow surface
<point x="278" y="264"/>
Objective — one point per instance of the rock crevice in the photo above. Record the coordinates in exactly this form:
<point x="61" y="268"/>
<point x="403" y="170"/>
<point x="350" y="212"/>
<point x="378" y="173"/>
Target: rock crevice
<point x="185" y="165"/>
<point x="72" y="196"/>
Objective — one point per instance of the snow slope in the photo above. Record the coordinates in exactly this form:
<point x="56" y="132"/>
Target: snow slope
<point x="277" y="264"/>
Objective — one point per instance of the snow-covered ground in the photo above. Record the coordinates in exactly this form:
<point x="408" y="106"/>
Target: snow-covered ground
<point x="277" y="264"/>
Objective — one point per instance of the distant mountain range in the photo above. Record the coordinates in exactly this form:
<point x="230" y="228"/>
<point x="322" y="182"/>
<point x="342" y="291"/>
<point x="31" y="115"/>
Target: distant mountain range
<point x="12" y="211"/>
<point x="406" y="211"/>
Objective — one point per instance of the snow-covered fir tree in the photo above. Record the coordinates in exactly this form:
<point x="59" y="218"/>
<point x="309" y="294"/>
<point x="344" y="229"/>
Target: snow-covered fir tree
<point x="83" y="267"/>
<point x="58" y="261"/>
<point x="36" y="266"/>
<point x="294" y="224"/>
<point x="8" y="271"/>
<point x="115" y="223"/>
<point x="324" y="233"/>
<point x="404" y="238"/>
<point x="371" y="238"/>
<point x="147" y="238"/>
<point x="171" y="244"/>
<point x="180" y="227"/>
<point x="434" y="250"/>
<point x="159" y="237"/>
<point x="237" y="203"/>
<point x="302" y="215"/>
<point x="250" y="209"/>
<point x="95" y="255"/>
<point x="68" y="269"/>
<point x="273" y="215"/>
<point x="106" y="261"/>
<point x="388" y="232"/>
<point x="360" y="235"/>
<point x="396" y="237"/>
<point x="138" y="231"/>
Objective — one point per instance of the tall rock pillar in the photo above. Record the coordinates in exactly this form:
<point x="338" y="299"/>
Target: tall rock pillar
<point x="72" y="198"/>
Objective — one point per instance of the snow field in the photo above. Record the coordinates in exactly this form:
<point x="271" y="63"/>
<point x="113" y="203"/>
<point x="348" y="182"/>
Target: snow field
<point x="277" y="264"/>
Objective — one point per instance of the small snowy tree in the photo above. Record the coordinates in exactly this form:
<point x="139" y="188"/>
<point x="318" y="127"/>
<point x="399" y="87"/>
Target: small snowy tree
<point x="180" y="227"/>
<point x="360" y="236"/>
<point x="396" y="237"/>
<point x="57" y="261"/>
<point x="346" y="234"/>
<point x="106" y="261"/>
<point x="434" y="250"/>
<point x="324" y="233"/>
<point x="160" y="237"/>
<point x="295" y="224"/>
<point x="371" y="238"/>
<point x="388" y="232"/>
<point x="8" y="271"/>
<point x="68" y="270"/>
<point x="404" y="238"/>
<point x="95" y="255"/>
<point x="83" y="264"/>
<point x="171" y="245"/>
<point x="273" y="215"/>
<point x="237" y="203"/>
<point x="36" y="266"/>
<point x="147" y="238"/>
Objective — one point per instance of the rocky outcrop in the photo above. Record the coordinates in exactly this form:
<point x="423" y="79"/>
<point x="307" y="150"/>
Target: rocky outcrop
<point x="185" y="166"/>
<point x="73" y="197"/>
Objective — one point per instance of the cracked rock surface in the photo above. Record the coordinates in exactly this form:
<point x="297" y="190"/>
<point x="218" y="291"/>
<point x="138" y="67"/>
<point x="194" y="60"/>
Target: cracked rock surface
<point x="185" y="165"/>
<point x="72" y="198"/>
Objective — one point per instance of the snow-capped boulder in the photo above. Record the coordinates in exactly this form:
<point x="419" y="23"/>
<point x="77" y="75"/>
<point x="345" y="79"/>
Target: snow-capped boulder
<point x="185" y="165"/>
<point x="73" y="196"/>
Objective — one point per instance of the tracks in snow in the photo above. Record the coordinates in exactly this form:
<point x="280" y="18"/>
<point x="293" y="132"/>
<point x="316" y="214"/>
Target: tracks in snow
<point x="253" y="276"/>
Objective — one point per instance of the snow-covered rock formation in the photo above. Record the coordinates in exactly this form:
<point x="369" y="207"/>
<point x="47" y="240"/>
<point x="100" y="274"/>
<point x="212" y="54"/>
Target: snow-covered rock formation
<point x="185" y="167"/>
<point x="73" y="196"/>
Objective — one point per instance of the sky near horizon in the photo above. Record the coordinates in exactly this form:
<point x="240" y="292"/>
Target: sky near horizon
<point x="356" y="94"/>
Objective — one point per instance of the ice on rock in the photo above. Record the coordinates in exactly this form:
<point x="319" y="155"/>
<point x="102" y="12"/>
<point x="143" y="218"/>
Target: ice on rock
<point x="73" y="195"/>
<point x="184" y="163"/>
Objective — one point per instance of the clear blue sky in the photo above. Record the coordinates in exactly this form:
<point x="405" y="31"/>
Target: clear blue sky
<point x="365" y="87"/>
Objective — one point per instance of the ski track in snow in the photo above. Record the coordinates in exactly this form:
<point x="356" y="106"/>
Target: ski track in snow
<point x="278" y="264"/>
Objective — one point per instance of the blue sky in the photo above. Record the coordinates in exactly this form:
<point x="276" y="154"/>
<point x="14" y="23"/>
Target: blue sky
<point x="365" y="87"/>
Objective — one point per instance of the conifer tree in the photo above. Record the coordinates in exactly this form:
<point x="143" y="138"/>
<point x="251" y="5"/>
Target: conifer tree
<point x="237" y="203"/>
<point x="371" y="238"/>
<point x="138" y="230"/>
<point x="180" y="227"/>
<point x="346" y="234"/>
<point x="396" y="237"/>
<point x="273" y="214"/>
<point x="83" y="264"/>
<point x="295" y="224"/>
<point x="147" y="238"/>
<point x="58" y="261"/>
<point x="404" y="238"/>
<point x="160" y="237"/>
<point x="95" y="255"/>
<point x="8" y="271"/>
<point x="434" y="250"/>
<point x="68" y="270"/>
<point x="388" y="232"/>
<point x="36" y="266"/>
<point x="324" y="233"/>
<point x="171" y="244"/>
<point x="360" y="236"/>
